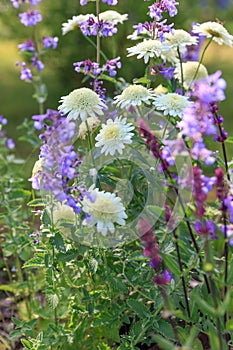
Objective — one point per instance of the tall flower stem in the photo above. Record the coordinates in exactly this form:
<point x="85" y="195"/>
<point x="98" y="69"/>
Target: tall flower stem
<point x="181" y="71"/>
<point x="214" y="297"/>
<point x="98" y="35"/>
<point x="181" y="273"/>
<point x="201" y="60"/>
<point x="171" y="319"/>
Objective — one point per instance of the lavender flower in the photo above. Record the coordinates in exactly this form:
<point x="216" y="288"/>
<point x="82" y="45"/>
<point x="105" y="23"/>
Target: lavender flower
<point x="25" y="73"/>
<point x="27" y="46"/>
<point x="30" y="18"/>
<point x="37" y="63"/>
<point x="93" y="27"/>
<point x="112" y="65"/>
<point x="158" y="8"/>
<point x="50" y="42"/>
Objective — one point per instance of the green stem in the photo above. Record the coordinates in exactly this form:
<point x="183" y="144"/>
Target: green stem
<point x="181" y="71"/>
<point x="95" y="46"/>
<point x="98" y="34"/>
<point x="181" y="273"/>
<point x="201" y="60"/>
<point x="213" y="294"/>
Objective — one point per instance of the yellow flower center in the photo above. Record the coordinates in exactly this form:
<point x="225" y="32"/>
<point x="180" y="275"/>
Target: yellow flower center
<point x="111" y="132"/>
<point x="135" y="92"/>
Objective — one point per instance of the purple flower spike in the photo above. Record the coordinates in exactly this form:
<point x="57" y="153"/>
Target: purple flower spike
<point x="30" y="18"/>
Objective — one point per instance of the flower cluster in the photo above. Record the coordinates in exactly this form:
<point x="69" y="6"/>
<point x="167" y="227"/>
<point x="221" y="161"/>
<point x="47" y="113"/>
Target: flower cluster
<point x="17" y="3"/>
<point x="93" y="27"/>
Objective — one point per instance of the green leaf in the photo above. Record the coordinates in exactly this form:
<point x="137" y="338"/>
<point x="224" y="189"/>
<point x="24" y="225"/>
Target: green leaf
<point x="68" y="256"/>
<point x="36" y="203"/>
<point x="171" y="264"/>
<point x="58" y="242"/>
<point x="27" y="344"/>
<point x="204" y="306"/>
<point x="138" y="307"/>
<point x="229" y="139"/>
<point x="46" y="219"/>
<point x="163" y="343"/>
<point x="34" y="263"/>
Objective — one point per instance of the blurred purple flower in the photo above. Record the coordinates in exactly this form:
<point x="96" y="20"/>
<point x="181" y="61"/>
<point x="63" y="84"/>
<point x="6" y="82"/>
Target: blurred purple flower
<point x="50" y="42"/>
<point x="30" y="18"/>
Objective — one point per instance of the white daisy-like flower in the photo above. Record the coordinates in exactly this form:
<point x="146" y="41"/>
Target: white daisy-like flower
<point x="216" y="31"/>
<point x="93" y="124"/>
<point x="189" y="72"/>
<point x="180" y="39"/>
<point x="171" y="103"/>
<point x="105" y="211"/>
<point x="81" y="102"/>
<point x="151" y="49"/>
<point x="113" y="16"/>
<point x="114" y="135"/>
<point x="134" y="95"/>
<point x="74" y="23"/>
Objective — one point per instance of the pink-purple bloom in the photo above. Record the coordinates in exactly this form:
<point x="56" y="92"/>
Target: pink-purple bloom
<point x="30" y="18"/>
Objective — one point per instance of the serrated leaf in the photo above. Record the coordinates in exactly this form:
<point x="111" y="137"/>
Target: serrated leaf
<point x="34" y="263"/>
<point x="53" y="300"/>
<point x="68" y="255"/>
<point x="46" y="219"/>
<point x="58" y="241"/>
<point x="138" y="307"/>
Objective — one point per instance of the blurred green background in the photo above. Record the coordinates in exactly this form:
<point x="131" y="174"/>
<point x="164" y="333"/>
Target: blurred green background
<point x="16" y="102"/>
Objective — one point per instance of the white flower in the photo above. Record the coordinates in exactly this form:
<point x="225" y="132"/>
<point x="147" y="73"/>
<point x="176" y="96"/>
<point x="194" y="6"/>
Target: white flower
<point x="81" y="102"/>
<point x="216" y="30"/>
<point x="105" y="210"/>
<point x="114" y="135"/>
<point x="74" y="23"/>
<point x="180" y="39"/>
<point x="151" y="49"/>
<point x="134" y="95"/>
<point x="93" y="124"/>
<point x="113" y="16"/>
<point x="171" y="103"/>
<point x="189" y="72"/>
